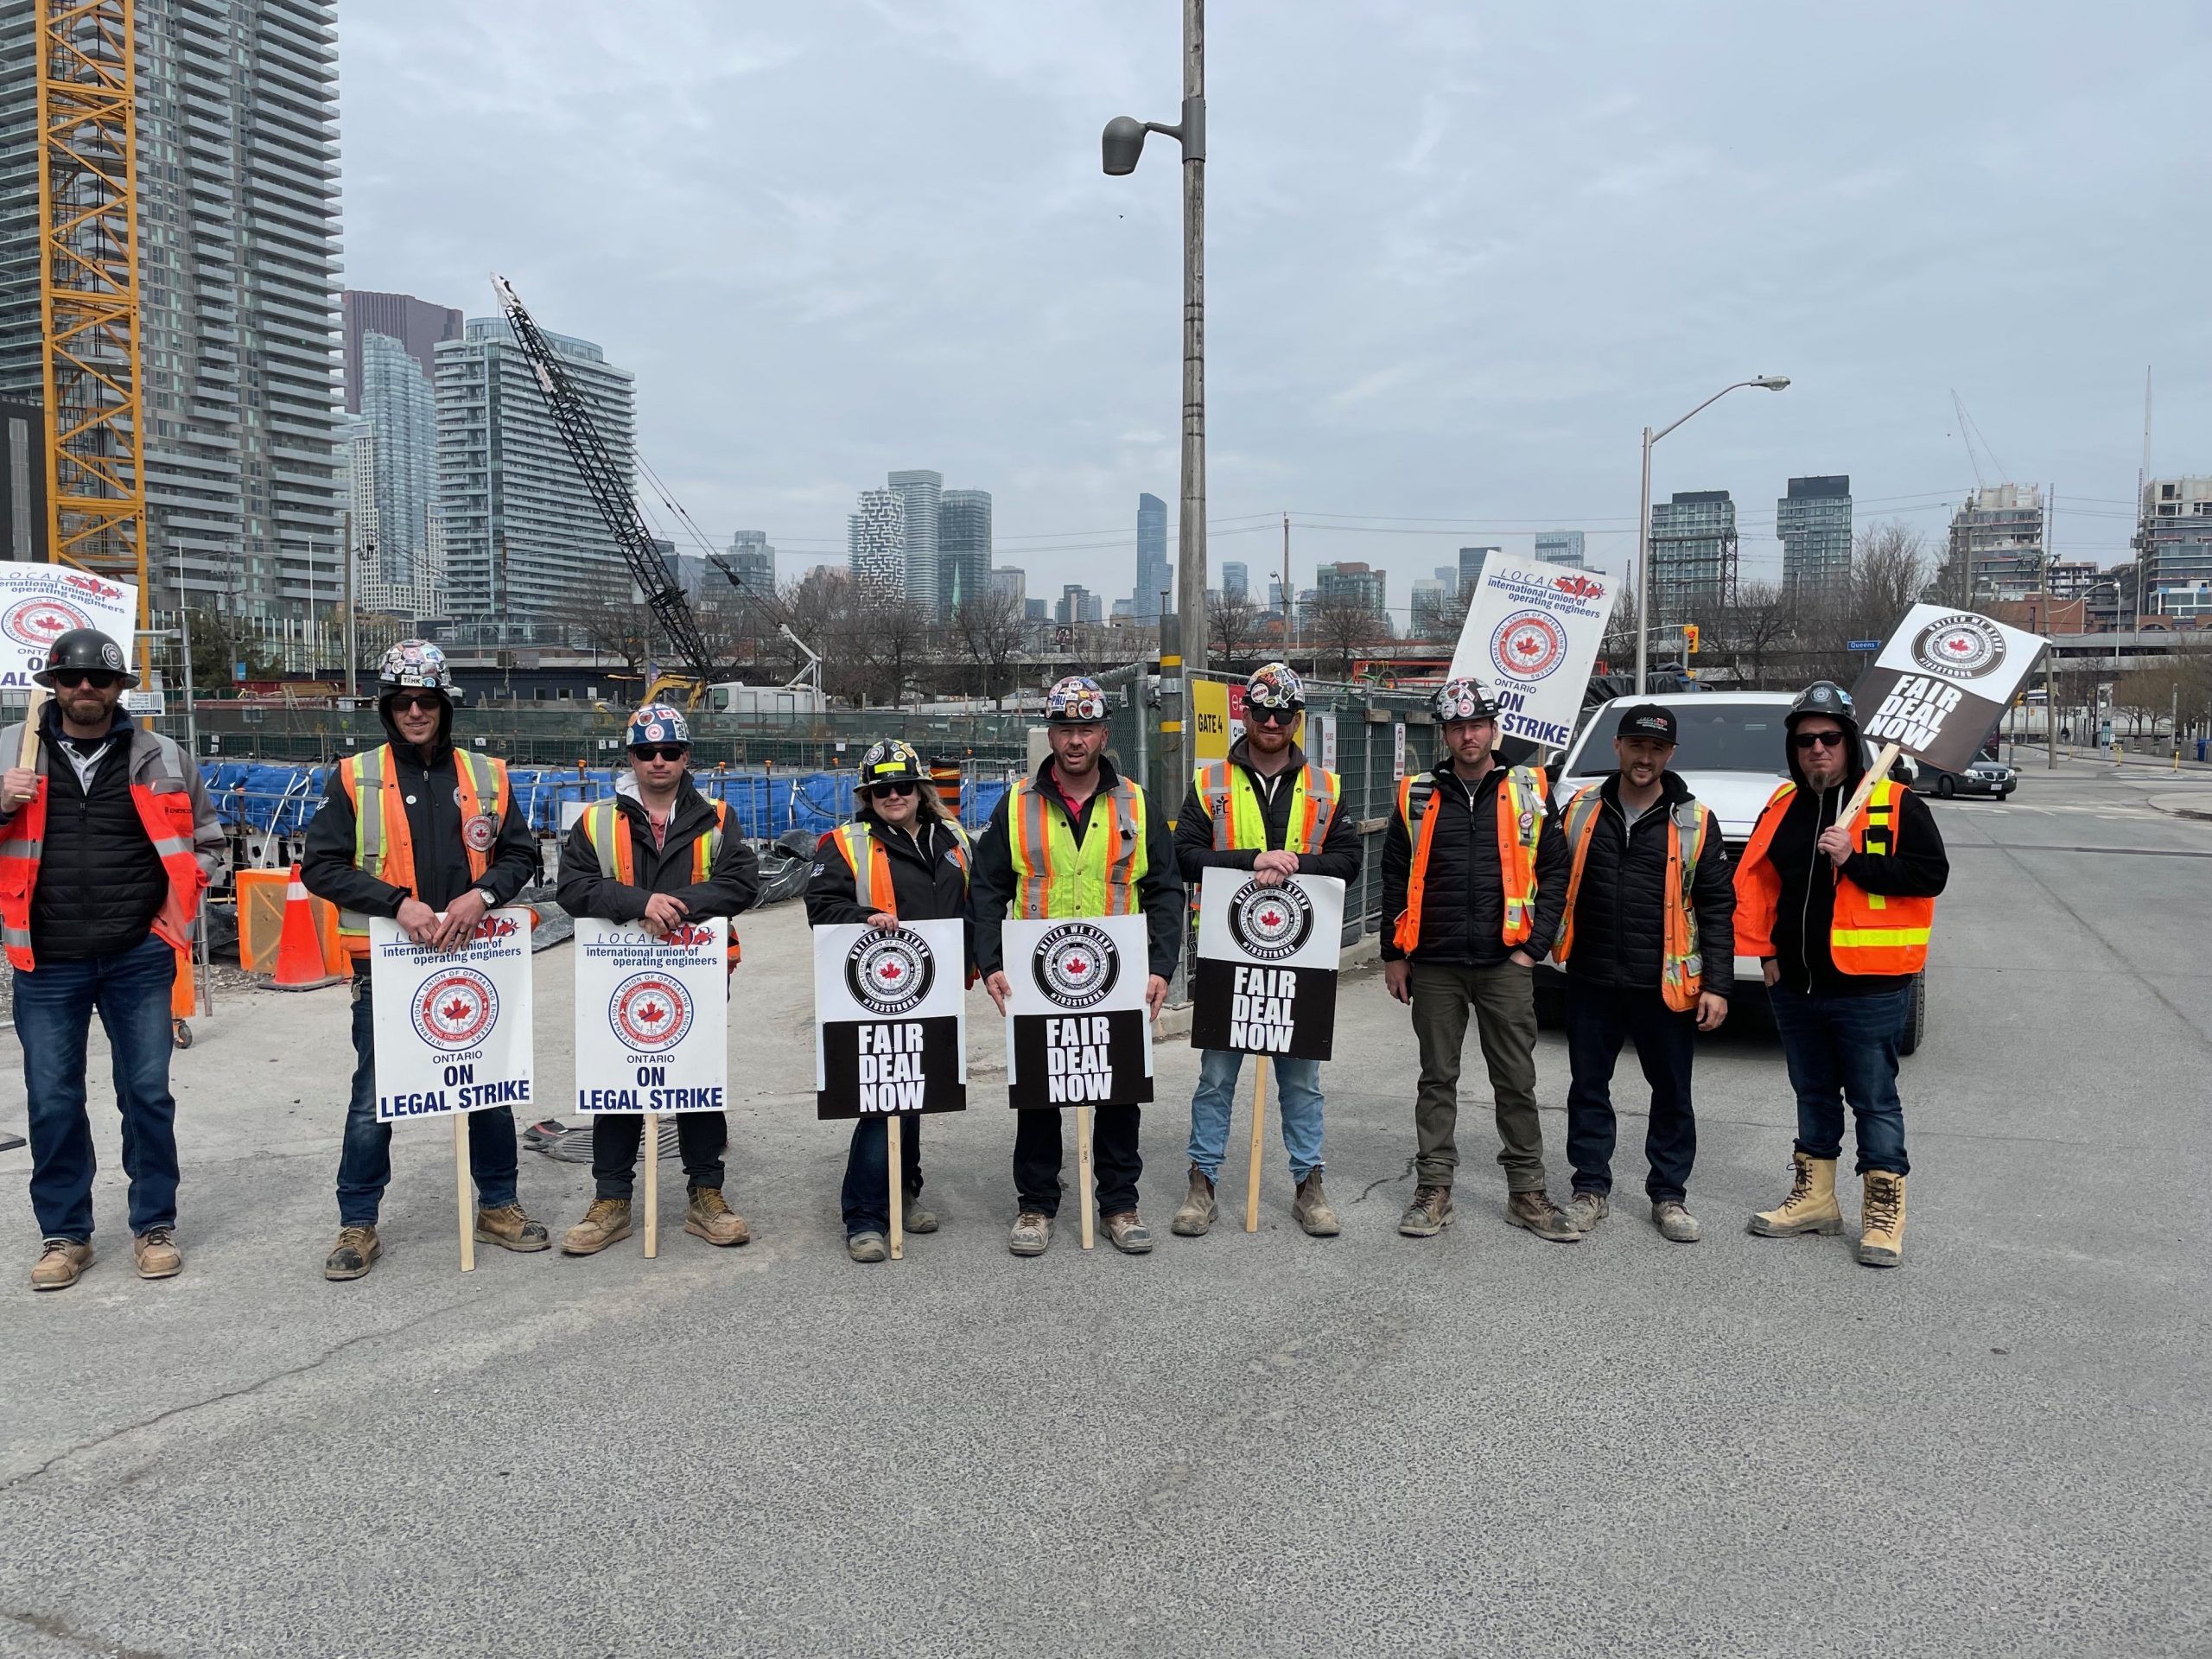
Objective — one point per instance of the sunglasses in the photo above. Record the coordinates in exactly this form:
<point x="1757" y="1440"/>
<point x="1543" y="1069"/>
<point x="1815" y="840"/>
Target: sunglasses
<point x="404" y="704"/>
<point x="879" y="791"/>
<point x="1825" y="740"/>
<point x="99" y="678"/>
<point x="659" y="750"/>
<point x="1254" y="716"/>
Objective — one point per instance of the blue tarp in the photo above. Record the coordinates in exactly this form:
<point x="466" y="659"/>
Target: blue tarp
<point x="764" y="804"/>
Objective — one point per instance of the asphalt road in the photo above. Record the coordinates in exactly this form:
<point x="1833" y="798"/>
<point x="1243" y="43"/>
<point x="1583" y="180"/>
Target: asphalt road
<point x="1477" y="1444"/>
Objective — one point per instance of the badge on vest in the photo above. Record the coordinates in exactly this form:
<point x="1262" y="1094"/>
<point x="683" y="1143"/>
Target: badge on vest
<point x="480" y="832"/>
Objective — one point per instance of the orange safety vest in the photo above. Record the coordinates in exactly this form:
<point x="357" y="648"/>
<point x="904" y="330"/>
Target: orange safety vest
<point x="383" y="846"/>
<point x="872" y="888"/>
<point x="164" y="805"/>
<point x="603" y="828"/>
<point x="1681" y="968"/>
<point x="1520" y="826"/>
<point x="1870" y="932"/>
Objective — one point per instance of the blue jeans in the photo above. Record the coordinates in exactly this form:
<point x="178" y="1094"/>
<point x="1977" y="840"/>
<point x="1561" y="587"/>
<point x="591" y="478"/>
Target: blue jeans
<point x="1597" y="1018"/>
<point x="364" y="1161"/>
<point x="1845" y="1048"/>
<point x="866" y="1199"/>
<point x="54" y="1016"/>
<point x="1298" y="1101"/>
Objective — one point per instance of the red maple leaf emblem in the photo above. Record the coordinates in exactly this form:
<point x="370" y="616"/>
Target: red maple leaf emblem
<point x="889" y="972"/>
<point x="1077" y="966"/>
<point x="651" y="1014"/>
<point x="1528" y="645"/>
<point x="457" y="1010"/>
<point x="1270" y="917"/>
<point x="1958" y="647"/>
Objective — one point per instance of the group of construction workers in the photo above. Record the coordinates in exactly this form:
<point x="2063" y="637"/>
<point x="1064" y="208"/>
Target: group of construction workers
<point x="1625" y="885"/>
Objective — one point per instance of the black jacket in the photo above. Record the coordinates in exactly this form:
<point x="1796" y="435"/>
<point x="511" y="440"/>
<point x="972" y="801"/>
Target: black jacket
<point x="927" y="884"/>
<point x="1806" y="909"/>
<point x="1194" y="848"/>
<point x="732" y="879"/>
<point x="429" y="793"/>
<point x="1159" y="890"/>
<point x="100" y="882"/>
<point x="1463" y="913"/>
<point x="1620" y="914"/>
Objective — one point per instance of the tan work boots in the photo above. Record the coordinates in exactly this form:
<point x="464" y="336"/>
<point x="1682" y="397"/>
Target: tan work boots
<point x="1810" y="1207"/>
<point x="1881" y="1219"/>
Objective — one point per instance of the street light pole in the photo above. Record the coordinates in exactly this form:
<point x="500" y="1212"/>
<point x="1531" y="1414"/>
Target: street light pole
<point x="1644" y="609"/>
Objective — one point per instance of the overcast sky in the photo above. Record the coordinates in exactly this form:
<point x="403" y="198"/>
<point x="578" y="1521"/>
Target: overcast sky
<point x="1459" y="254"/>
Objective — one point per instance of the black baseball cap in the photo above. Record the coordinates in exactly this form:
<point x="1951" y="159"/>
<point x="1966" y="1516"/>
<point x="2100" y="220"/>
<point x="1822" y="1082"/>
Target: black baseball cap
<point x="1649" y="720"/>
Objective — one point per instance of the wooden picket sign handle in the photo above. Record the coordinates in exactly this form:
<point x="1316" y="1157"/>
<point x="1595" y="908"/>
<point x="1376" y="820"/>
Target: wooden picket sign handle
<point x="894" y="1150"/>
<point x="40" y="697"/>
<point x="1259" y="1143"/>
<point x="1880" y="770"/>
<point x="653" y="1185"/>
<point x="1083" y="1176"/>
<point x="460" y="1192"/>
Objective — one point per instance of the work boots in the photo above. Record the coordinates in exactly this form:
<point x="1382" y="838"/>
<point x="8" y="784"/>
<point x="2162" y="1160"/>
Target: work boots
<point x="1881" y="1219"/>
<point x="1127" y="1233"/>
<point x="155" y="1253"/>
<point x="1198" y="1210"/>
<point x="608" y="1222"/>
<point x="1429" y="1214"/>
<point x="506" y="1226"/>
<point x="1311" y="1209"/>
<point x="708" y="1215"/>
<point x="917" y="1217"/>
<point x="1810" y="1207"/>
<point x="1031" y="1232"/>
<point x="61" y="1262"/>
<point x="1535" y="1211"/>
<point x="354" y="1255"/>
<point x="1587" y="1209"/>
<point x="1676" y="1224"/>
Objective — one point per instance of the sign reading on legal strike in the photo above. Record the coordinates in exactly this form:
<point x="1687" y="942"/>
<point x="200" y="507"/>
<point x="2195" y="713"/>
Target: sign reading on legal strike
<point x="39" y="603"/>
<point x="652" y="1017"/>
<point x="1531" y="635"/>
<point x="1077" y="1032"/>
<point x="452" y="1026"/>
<point x="1265" y="979"/>
<point x="890" y="1020"/>
<point x="1942" y="682"/>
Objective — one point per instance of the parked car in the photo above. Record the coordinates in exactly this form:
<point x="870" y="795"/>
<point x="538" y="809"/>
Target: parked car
<point x="1731" y="756"/>
<point x="1992" y="777"/>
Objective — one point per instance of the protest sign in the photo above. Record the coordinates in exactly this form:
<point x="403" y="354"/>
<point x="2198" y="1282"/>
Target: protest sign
<point x="453" y="1031"/>
<point x="890" y="1020"/>
<point x="1531" y="636"/>
<point x="651" y="1028"/>
<point x="1265" y="978"/>
<point x="39" y="603"/>
<point x="1941" y="682"/>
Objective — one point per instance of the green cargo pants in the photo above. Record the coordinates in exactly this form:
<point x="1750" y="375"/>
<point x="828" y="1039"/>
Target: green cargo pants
<point x="1504" y="999"/>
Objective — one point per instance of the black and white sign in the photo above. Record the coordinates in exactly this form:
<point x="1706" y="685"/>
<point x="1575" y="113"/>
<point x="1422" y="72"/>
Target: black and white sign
<point x="453" y="1027"/>
<point x="1942" y="682"/>
<point x="1265" y="978"/>
<point x="1077" y="1032"/>
<point x="652" y="1017"/>
<point x="890" y="1028"/>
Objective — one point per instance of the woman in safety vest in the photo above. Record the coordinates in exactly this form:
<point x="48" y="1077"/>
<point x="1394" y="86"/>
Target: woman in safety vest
<point x="903" y="858"/>
<point x="657" y="851"/>
<point x="1839" y="915"/>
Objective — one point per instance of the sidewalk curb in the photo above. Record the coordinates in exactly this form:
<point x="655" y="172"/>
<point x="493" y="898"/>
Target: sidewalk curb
<point x="2183" y="806"/>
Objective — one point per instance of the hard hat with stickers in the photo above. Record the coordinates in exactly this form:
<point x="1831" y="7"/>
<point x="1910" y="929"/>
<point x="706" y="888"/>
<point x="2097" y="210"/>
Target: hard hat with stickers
<point x="891" y="761"/>
<point x="656" y="722"/>
<point x="1463" y="699"/>
<point x="1274" y="685"/>
<point x="1078" y="700"/>
<point x="414" y="665"/>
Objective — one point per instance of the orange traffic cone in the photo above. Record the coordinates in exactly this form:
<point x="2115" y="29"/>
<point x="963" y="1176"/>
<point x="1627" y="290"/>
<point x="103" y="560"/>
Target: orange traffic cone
<point x="299" y="948"/>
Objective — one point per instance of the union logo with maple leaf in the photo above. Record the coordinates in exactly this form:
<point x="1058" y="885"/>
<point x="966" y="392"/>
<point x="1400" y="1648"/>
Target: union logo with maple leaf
<point x="1270" y="924"/>
<point x="1076" y="965"/>
<point x="650" y="1012"/>
<point x="1960" y="647"/>
<point x="890" y="973"/>
<point x="456" y="1008"/>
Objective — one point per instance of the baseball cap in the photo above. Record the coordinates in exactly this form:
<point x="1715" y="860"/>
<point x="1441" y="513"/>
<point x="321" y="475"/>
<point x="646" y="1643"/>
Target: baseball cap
<point x="1650" y="720"/>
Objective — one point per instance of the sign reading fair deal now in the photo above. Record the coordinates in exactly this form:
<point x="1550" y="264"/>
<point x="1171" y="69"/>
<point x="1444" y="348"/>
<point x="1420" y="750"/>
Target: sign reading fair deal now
<point x="453" y="1027"/>
<point x="1942" y="682"/>
<point x="1265" y="980"/>
<point x="1077" y="1032"/>
<point x="890" y="1020"/>
<point x="39" y="603"/>
<point x="1531" y="636"/>
<point x="652" y="1017"/>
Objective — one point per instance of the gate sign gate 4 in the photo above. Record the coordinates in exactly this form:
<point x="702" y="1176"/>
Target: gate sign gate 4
<point x="652" y="1017"/>
<point x="39" y="603"/>
<point x="453" y="1027"/>
<point x="1265" y="981"/>
<point x="1532" y="635"/>
<point x="890" y="1020"/>
<point x="1942" y="683"/>
<point x="1077" y="1032"/>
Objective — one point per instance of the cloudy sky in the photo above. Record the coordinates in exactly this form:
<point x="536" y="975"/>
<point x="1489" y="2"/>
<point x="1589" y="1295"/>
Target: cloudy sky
<point x="1459" y="254"/>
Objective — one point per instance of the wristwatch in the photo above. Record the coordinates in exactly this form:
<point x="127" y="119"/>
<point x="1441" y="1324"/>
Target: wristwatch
<point x="490" y="903"/>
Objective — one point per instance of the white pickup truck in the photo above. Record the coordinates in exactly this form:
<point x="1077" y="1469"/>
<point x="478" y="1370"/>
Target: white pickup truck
<point x="1731" y="756"/>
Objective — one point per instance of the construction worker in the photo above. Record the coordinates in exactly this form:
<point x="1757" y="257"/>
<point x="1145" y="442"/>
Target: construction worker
<point x="902" y="859"/>
<point x="1649" y="945"/>
<point x="1474" y="884"/>
<point x="1077" y="839"/>
<point x="102" y="863"/>
<point x="1839" y="915"/>
<point x="428" y="834"/>
<point x="1269" y="809"/>
<point x="657" y="851"/>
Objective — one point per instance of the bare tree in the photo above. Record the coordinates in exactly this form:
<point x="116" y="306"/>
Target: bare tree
<point x="1343" y="624"/>
<point x="1889" y="569"/>
<point x="613" y="623"/>
<point x="891" y="637"/>
<point x="1761" y="622"/>
<point x="988" y="628"/>
<point x="1232" y="626"/>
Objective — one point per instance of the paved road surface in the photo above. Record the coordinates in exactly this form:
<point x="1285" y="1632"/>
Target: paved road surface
<point x="1241" y="1445"/>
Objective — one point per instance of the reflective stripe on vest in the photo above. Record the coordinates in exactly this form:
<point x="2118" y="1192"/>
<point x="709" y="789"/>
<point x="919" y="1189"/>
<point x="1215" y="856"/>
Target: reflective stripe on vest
<point x="872" y="888"/>
<point x="1520" y="827"/>
<point x="383" y="846"/>
<point x="1681" y="968"/>
<point x="1240" y="821"/>
<point x="1868" y="932"/>
<point x="1056" y="876"/>
<point x="613" y="848"/>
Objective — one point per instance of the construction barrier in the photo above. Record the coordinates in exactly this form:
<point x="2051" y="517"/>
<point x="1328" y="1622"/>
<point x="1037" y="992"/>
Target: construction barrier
<point x="261" y="922"/>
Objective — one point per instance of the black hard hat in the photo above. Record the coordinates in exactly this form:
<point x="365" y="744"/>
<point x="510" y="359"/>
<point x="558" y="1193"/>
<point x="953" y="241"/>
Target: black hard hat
<point x="1823" y="697"/>
<point x="86" y="649"/>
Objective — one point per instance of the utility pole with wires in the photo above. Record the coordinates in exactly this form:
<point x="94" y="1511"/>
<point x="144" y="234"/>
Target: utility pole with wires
<point x="1289" y="611"/>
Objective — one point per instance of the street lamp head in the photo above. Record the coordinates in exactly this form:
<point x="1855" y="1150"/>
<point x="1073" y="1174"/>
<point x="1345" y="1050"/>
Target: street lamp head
<point x="1120" y="144"/>
<point x="1771" y="382"/>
